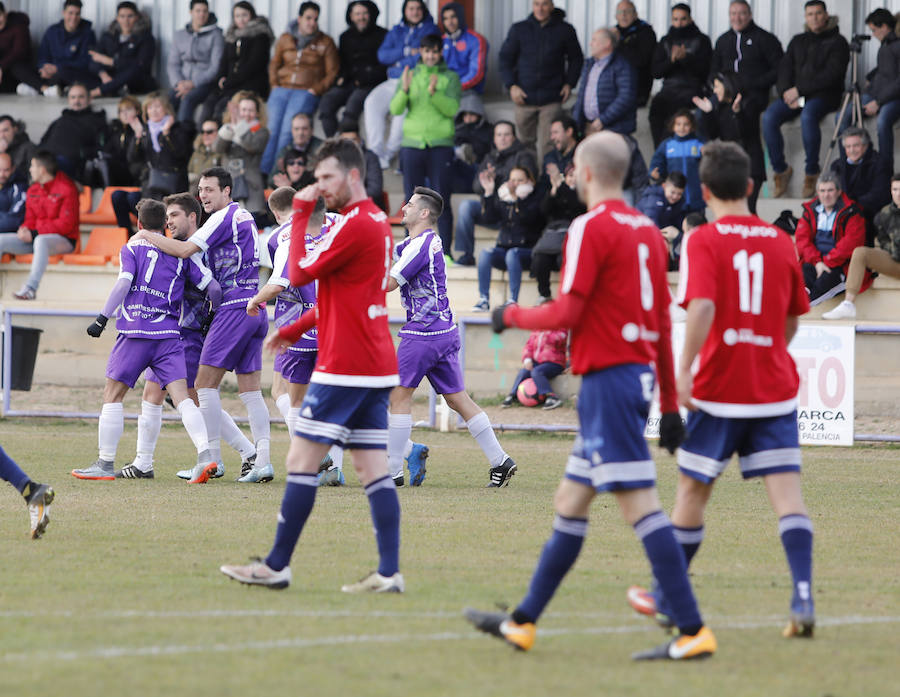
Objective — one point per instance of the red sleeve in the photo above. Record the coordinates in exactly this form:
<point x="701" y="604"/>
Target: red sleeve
<point x="306" y="321"/>
<point x="561" y="313"/>
<point x="854" y="236"/>
<point x="697" y="272"/>
<point x="804" y="239"/>
<point x="665" y="363"/>
<point x="67" y="222"/>
<point x="302" y="211"/>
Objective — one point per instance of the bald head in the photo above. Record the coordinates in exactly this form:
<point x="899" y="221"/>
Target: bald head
<point x="601" y="162"/>
<point x="603" y="42"/>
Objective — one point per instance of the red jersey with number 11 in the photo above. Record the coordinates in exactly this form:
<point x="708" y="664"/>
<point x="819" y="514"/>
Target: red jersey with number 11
<point x="749" y="269"/>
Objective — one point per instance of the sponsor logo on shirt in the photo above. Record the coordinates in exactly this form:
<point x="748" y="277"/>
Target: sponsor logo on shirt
<point x="634" y="221"/>
<point x="745" y="336"/>
<point x="377" y="311"/>
<point x="631" y="332"/>
<point x="746" y="231"/>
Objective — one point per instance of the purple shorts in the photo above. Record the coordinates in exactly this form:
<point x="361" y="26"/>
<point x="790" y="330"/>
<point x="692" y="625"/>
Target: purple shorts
<point x="132" y="356"/>
<point x="192" y="342"/>
<point x="434" y="358"/>
<point x="296" y="366"/>
<point x="235" y="340"/>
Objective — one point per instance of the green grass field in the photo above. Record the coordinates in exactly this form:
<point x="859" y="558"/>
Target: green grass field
<point x="123" y="594"/>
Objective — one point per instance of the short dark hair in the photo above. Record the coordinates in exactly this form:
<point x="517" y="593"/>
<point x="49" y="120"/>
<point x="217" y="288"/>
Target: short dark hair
<point x="347" y="153"/>
<point x="71" y="3"/>
<point x="281" y="199"/>
<point x="127" y="5"/>
<point x="2" y="8"/>
<point x="566" y="121"/>
<point x="199" y="2"/>
<point x="895" y="178"/>
<point x="504" y="122"/>
<point x="684" y="7"/>
<point x="186" y="202"/>
<point x="677" y="178"/>
<point x="725" y="169"/>
<point x="431" y="200"/>
<point x="81" y="85"/>
<point x="816" y="3"/>
<point x="686" y="113"/>
<point x="294" y="154"/>
<point x="880" y="17"/>
<point x="47" y="160"/>
<point x="695" y="219"/>
<point x="219" y="173"/>
<point x="12" y="120"/>
<point x="433" y="42"/>
<point x="304" y="6"/>
<point x="151" y="214"/>
<point x="244" y="6"/>
<point x="348" y="126"/>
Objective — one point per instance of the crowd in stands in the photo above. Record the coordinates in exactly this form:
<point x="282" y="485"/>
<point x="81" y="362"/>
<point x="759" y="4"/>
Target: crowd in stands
<point x="246" y="101"/>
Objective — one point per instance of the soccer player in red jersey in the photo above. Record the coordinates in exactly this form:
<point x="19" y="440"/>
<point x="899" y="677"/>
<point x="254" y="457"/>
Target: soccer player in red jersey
<point x="347" y="400"/>
<point x="743" y="291"/>
<point x="614" y="296"/>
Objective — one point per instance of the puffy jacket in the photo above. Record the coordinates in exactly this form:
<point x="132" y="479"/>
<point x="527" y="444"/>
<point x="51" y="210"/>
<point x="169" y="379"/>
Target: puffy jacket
<point x="816" y="64"/>
<point x="547" y="346"/>
<point x="503" y="162"/>
<point x="21" y="150"/>
<point x="429" y="123"/>
<point x="521" y="222"/>
<point x="52" y="208"/>
<point x="466" y="52"/>
<point x="884" y="81"/>
<point x="541" y="58"/>
<point x="77" y="135"/>
<point x="751" y="59"/>
<point x="12" y="204"/>
<point x="395" y="51"/>
<point x="132" y="59"/>
<point x="126" y="167"/>
<point x="358" y="50"/>
<point x="688" y="74"/>
<point x="616" y="95"/>
<point x="480" y="134"/>
<point x="15" y="41"/>
<point x="196" y="55"/>
<point x="682" y="154"/>
<point x="314" y="68"/>
<point x="849" y="232"/>
<point x="63" y="49"/>
<point x="246" y="57"/>
<point x="654" y="205"/>
<point x="867" y="183"/>
<point x="637" y="43"/>
<point x="565" y="206"/>
<point x="887" y="230"/>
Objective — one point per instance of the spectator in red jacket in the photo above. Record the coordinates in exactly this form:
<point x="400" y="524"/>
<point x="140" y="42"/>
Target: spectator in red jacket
<point x="543" y="358"/>
<point x="831" y="227"/>
<point x="51" y="220"/>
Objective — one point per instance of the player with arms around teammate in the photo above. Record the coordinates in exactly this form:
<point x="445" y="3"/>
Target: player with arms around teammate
<point x="615" y="299"/>
<point x="148" y="296"/>
<point x="234" y="340"/>
<point x="429" y="344"/>
<point x="182" y="215"/>
<point x="294" y="366"/>
<point x="743" y="291"/>
<point x="348" y="394"/>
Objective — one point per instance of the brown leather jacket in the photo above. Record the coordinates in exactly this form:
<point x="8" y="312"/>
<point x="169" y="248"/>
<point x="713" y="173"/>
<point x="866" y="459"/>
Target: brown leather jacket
<point x="315" y="68"/>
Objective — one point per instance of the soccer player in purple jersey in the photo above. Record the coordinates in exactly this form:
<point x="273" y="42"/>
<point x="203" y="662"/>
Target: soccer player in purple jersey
<point x="234" y="341"/>
<point x="429" y="345"/>
<point x="182" y="215"/>
<point x="294" y="367"/>
<point x="148" y="297"/>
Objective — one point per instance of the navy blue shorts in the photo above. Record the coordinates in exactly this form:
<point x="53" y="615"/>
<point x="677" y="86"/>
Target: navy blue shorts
<point x="354" y="417"/>
<point x="610" y="452"/>
<point x="764" y="445"/>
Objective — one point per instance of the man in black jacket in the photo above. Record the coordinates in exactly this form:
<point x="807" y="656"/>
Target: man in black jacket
<point x="637" y="42"/>
<point x="882" y="94"/>
<point x="810" y="84"/>
<point x="360" y="69"/>
<point x="749" y="56"/>
<point x="540" y="63"/>
<point x="682" y="60"/>
<point x="77" y="135"/>
<point x="865" y="175"/>
<point x="124" y="56"/>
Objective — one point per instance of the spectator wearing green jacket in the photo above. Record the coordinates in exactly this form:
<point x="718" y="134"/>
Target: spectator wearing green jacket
<point x="430" y="95"/>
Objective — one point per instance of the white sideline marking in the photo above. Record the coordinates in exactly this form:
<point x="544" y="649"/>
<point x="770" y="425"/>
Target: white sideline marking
<point x="346" y="639"/>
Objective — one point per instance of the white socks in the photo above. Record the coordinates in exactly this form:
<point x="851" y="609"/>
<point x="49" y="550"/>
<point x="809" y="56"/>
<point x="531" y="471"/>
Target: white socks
<point x="235" y="437"/>
<point x="211" y="408"/>
<point x="337" y="456"/>
<point x="193" y="423"/>
<point x="112" y="423"/>
<point x="149" y="424"/>
<point x="292" y="420"/>
<point x="399" y="445"/>
<point x="284" y="405"/>
<point x="258" y="413"/>
<point x="480" y="428"/>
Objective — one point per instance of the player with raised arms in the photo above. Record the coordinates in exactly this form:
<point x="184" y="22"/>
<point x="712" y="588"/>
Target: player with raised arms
<point x="429" y="344"/>
<point x="347" y="400"/>
<point x="148" y="295"/>
<point x="234" y="340"/>
<point x="743" y="291"/>
<point x="614" y="296"/>
<point x="294" y="366"/>
<point x="182" y="216"/>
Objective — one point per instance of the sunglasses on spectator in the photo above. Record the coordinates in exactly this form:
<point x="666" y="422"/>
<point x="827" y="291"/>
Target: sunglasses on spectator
<point x="293" y="163"/>
<point x="208" y="131"/>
